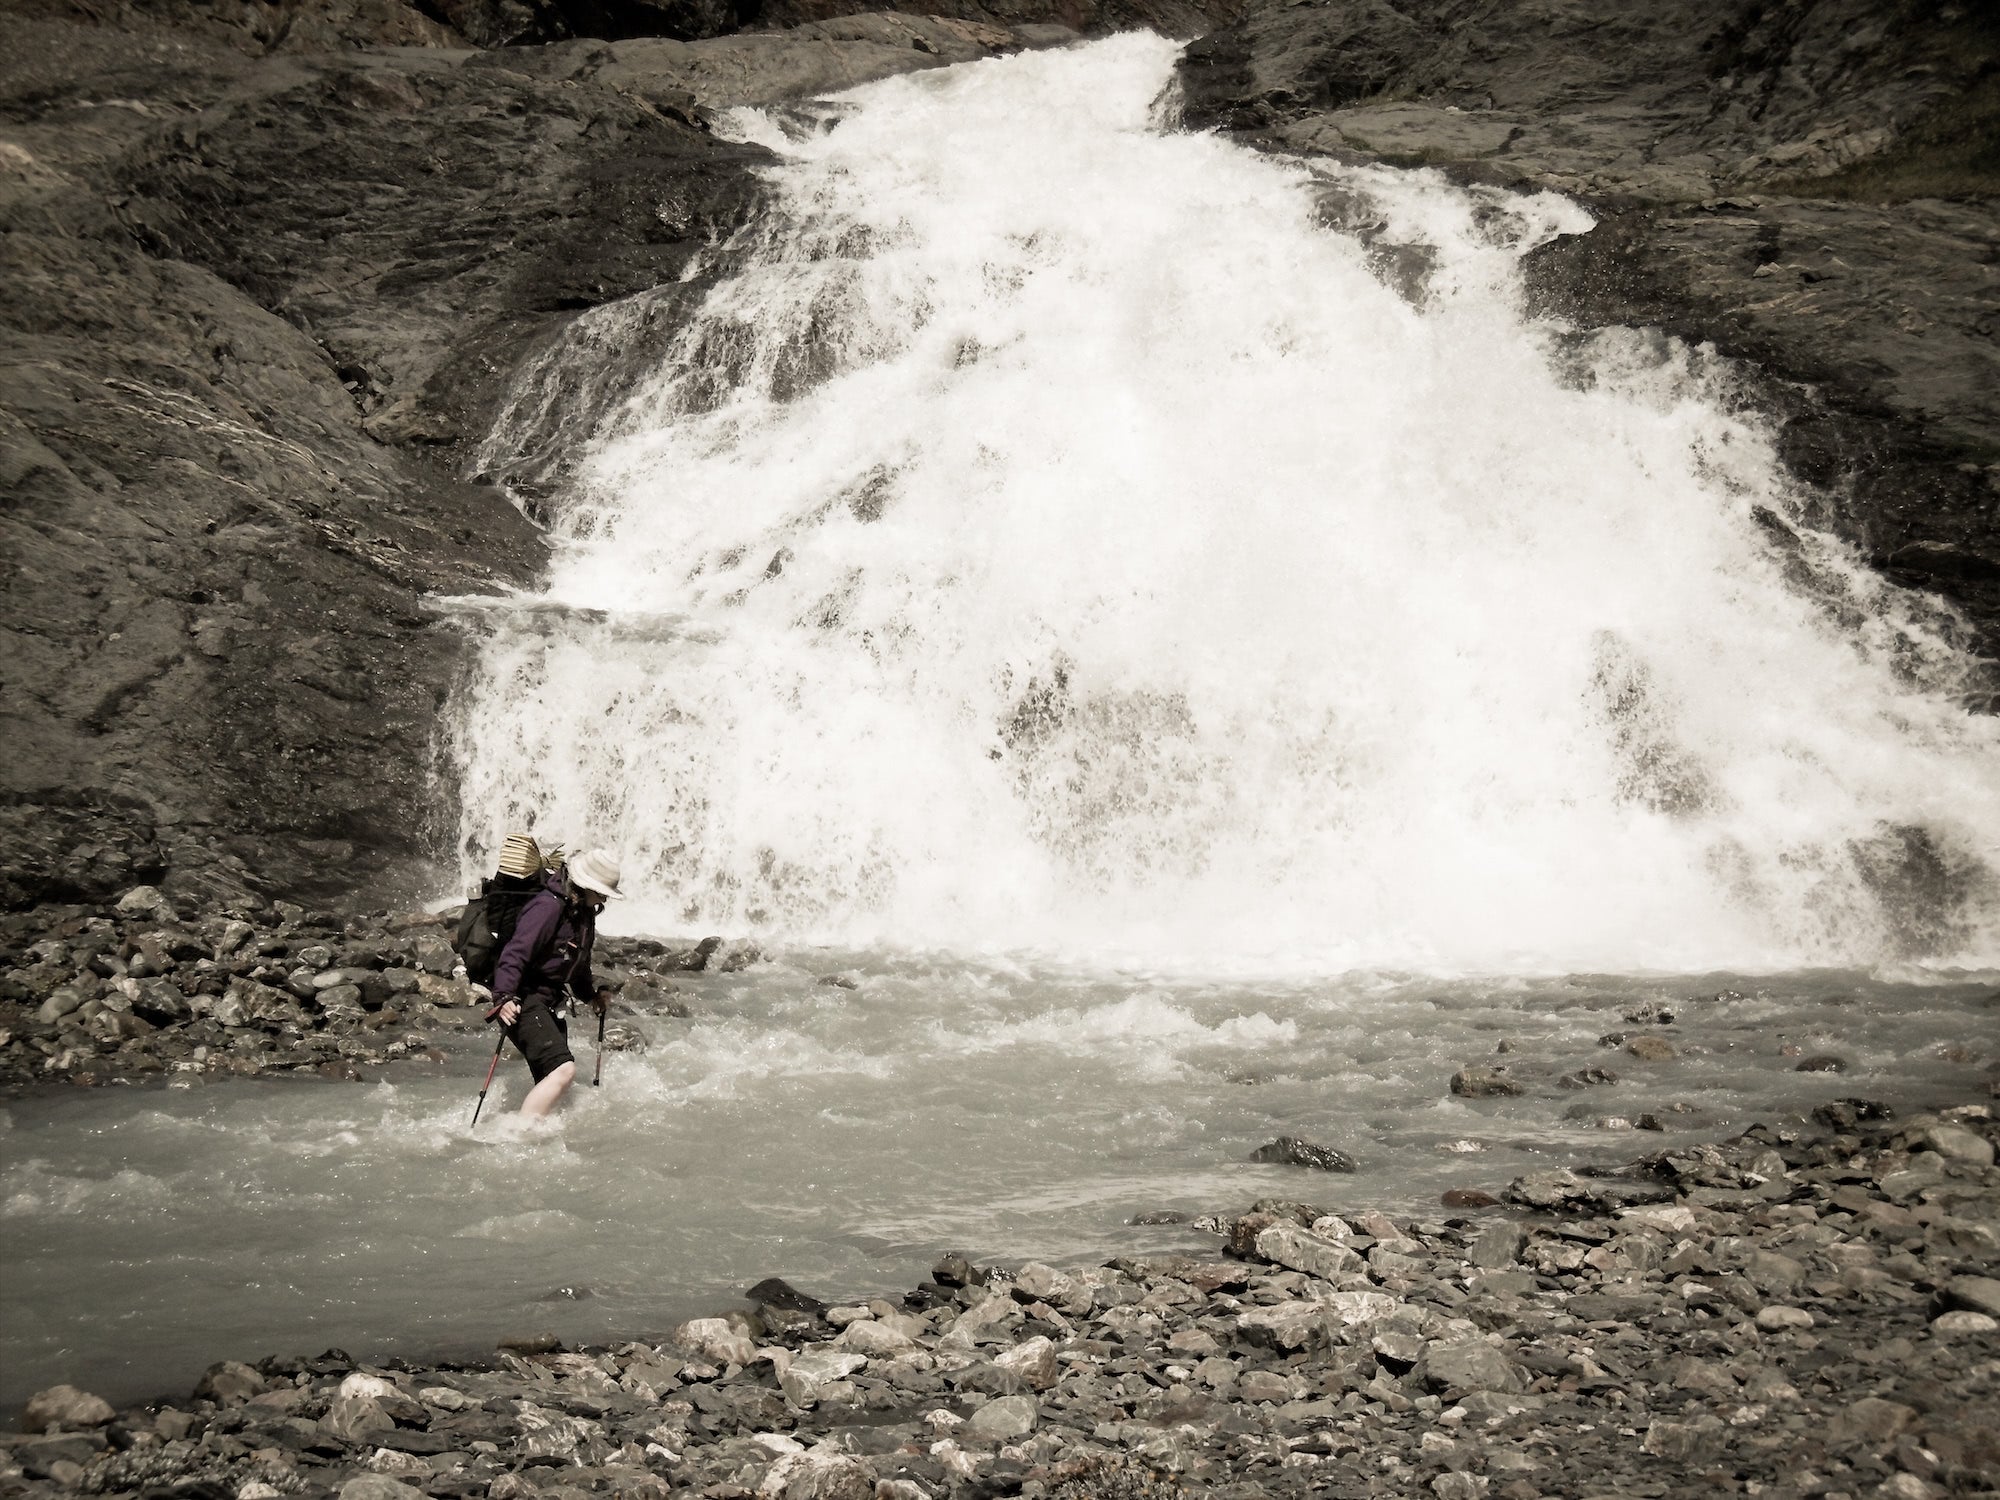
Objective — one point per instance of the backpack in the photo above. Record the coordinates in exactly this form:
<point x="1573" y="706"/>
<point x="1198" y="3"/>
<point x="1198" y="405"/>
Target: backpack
<point x="488" y="922"/>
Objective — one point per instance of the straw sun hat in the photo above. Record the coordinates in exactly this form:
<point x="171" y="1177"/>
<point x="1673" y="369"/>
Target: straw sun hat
<point x="595" y="870"/>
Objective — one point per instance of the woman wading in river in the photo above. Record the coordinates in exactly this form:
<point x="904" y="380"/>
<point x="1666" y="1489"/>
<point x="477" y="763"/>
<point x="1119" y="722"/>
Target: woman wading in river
<point x="545" y="963"/>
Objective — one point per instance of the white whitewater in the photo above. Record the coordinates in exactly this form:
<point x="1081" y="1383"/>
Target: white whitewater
<point x="1055" y="535"/>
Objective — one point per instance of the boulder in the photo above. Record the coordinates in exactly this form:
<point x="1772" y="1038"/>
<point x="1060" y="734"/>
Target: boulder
<point x="1033" y="1361"/>
<point x="229" y="1383"/>
<point x="1482" y="1082"/>
<point x="1286" y="1327"/>
<point x="715" y="1339"/>
<point x="350" y="1419"/>
<point x="1473" y="1366"/>
<point x="813" y="1370"/>
<point x="1036" y="1282"/>
<point x="1297" y="1249"/>
<point x="1956" y="1143"/>
<point x="875" y="1339"/>
<point x="1979" y="1294"/>
<point x="64" y="1407"/>
<point x="1004" y="1417"/>
<point x="1289" y="1151"/>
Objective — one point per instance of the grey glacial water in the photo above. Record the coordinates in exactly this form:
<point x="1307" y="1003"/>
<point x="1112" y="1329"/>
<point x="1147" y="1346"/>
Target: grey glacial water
<point x="843" y="1139"/>
<point x="1167" y="625"/>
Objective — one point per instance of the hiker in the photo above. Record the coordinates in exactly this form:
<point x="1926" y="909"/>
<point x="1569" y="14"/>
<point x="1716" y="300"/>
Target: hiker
<point x="548" y="954"/>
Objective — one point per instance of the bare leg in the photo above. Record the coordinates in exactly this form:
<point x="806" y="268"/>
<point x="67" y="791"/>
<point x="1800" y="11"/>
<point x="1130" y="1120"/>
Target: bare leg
<point x="547" y="1094"/>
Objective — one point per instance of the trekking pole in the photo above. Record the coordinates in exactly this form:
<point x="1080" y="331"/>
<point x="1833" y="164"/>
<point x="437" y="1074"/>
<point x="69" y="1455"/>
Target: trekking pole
<point x="490" y="1067"/>
<point x="597" y="1074"/>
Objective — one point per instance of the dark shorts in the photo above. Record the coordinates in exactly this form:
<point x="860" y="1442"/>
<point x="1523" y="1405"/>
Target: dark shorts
<point x="541" y="1036"/>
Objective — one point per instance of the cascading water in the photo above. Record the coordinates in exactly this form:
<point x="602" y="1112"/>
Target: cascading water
<point x="1057" y="534"/>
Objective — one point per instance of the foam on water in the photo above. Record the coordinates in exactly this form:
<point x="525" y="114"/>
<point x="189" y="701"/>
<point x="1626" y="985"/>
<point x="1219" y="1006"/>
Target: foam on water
<point x="1058" y="532"/>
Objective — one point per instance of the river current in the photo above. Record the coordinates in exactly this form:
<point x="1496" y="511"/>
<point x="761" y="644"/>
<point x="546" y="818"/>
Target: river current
<point x="1172" y="629"/>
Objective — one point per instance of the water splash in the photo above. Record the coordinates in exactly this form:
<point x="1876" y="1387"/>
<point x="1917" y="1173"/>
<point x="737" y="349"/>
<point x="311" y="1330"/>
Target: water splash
<point x="1058" y="532"/>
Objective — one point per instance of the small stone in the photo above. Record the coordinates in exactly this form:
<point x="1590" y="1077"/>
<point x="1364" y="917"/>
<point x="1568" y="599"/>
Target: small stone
<point x="954" y="1269"/>
<point x="1956" y="1143"/>
<point x="1034" y="1361"/>
<point x="144" y="901"/>
<point x="805" y="1380"/>
<point x="229" y="1383"/>
<point x="1004" y="1417"/>
<point x="715" y="1339"/>
<point x="1467" y="1198"/>
<point x="1845" y="1114"/>
<point x="352" y="1418"/>
<point x="530" y="1343"/>
<point x="1652" y="1049"/>
<point x="1824" y="1062"/>
<point x="64" y="1406"/>
<point x="1980" y="1294"/>
<point x="1775" y="1319"/>
<point x="1877" y="1420"/>
<point x="378" y="1487"/>
<point x="1480" y="1082"/>
<point x="1297" y="1249"/>
<point x="1473" y="1366"/>
<point x="1587" y="1078"/>
<point x="1963" y="1320"/>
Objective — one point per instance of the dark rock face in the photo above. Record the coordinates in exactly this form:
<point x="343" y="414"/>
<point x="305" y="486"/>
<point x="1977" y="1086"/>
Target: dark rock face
<point x="1809" y="186"/>
<point x="258" y="301"/>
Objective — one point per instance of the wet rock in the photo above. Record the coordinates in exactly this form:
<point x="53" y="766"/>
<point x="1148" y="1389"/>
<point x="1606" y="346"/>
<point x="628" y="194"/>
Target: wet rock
<point x="1652" y="1049"/>
<point x="1845" y="1114"/>
<point x="64" y="1407"/>
<point x="1480" y="1082"/>
<point x="229" y="1383"/>
<point x="1468" y="1198"/>
<point x="775" y="1292"/>
<point x="1291" y="1152"/>
<point x="1824" y="1062"/>
<point x="954" y="1270"/>
<point x="1587" y="1078"/>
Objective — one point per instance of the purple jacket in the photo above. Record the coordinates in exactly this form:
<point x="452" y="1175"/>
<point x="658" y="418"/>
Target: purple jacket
<point x="550" y="948"/>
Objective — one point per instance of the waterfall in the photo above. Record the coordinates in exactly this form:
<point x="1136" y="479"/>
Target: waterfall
<point x="1054" y="531"/>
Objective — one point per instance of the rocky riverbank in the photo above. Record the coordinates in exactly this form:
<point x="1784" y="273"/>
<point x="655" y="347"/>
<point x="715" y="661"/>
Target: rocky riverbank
<point x="145" y="989"/>
<point x="1807" y="1310"/>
